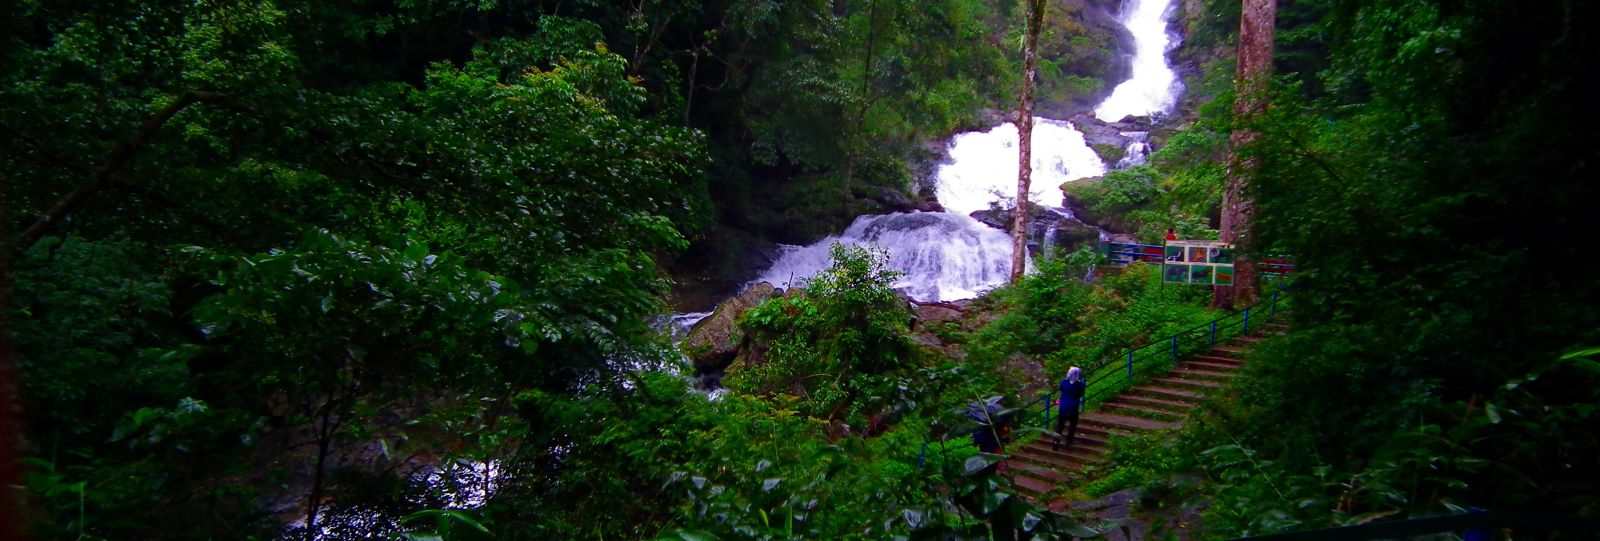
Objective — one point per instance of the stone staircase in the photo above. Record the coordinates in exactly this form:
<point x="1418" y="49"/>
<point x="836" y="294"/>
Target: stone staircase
<point x="1159" y="403"/>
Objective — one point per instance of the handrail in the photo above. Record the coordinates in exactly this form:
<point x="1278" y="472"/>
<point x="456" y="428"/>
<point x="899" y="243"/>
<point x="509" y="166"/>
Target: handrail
<point x="1097" y="374"/>
<point x="1101" y="376"/>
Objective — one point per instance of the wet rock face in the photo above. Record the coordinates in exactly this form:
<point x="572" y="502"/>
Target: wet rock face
<point x="1091" y="52"/>
<point x="714" y="342"/>
<point x="1117" y="133"/>
<point x="1070" y="233"/>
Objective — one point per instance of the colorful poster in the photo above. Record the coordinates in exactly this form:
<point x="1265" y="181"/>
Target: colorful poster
<point x="1224" y="276"/>
<point x="1175" y="254"/>
<point x="1198" y="262"/>
<point x="1177" y="274"/>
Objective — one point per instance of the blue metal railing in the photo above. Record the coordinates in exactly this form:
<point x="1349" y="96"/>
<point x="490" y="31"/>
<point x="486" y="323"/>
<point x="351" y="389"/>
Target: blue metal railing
<point x="1108" y="376"/>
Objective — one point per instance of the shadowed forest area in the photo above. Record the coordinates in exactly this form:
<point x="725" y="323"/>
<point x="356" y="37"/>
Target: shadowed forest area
<point x="280" y="269"/>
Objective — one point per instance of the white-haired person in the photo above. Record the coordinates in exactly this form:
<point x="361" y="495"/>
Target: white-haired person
<point x="1068" y="405"/>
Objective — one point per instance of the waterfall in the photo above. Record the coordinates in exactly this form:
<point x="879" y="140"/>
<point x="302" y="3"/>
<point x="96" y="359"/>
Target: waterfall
<point x="1154" y="87"/>
<point x="944" y="256"/>
<point x="1138" y="149"/>
<point x="949" y="255"/>
<point x="983" y="166"/>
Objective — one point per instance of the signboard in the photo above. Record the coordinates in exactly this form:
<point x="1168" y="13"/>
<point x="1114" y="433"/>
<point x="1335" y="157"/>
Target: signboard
<point x="1198" y="262"/>
<point x="1120" y="253"/>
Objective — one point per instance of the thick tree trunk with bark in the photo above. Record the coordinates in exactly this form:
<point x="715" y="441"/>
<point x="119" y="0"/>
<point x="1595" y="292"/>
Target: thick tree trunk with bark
<point x="1030" y="67"/>
<point x="1256" y="29"/>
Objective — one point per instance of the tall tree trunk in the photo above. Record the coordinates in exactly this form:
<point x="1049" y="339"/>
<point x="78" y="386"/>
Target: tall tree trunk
<point x="1256" y="28"/>
<point x="1030" y="67"/>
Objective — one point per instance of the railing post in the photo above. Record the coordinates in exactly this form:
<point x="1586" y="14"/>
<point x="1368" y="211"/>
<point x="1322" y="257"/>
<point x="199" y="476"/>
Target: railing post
<point x="1213" y="332"/>
<point x="1174" y="348"/>
<point x="1130" y="364"/>
<point x="1246" y="322"/>
<point x="1047" y="409"/>
<point x="1273" y="311"/>
<point x="922" y="456"/>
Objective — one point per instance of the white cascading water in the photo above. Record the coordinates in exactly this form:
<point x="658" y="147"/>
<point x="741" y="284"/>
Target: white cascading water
<point x="949" y="255"/>
<point x="944" y="256"/>
<point x="1154" y="87"/>
<point x="983" y="165"/>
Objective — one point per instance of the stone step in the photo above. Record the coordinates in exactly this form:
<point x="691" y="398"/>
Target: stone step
<point x="1216" y="358"/>
<point x="1102" y="432"/>
<point x="1041" y="471"/>
<point x="1215" y="366"/>
<point x="1030" y="485"/>
<point x="1124" y="422"/>
<point x="1200" y="384"/>
<point x="1072" y="456"/>
<point x="1121" y="407"/>
<point x="1188" y="371"/>
<point x="1167" y="393"/>
<point x="1059" y="470"/>
<point x="1231" y="350"/>
<point x="1159" y="403"/>
<point x="1094" y="440"/>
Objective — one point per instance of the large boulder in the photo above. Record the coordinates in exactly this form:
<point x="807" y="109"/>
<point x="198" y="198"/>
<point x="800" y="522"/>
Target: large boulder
<point x="1070" y="232"/>
<point x="934" y="312"/>
<point x="713" y="343"/>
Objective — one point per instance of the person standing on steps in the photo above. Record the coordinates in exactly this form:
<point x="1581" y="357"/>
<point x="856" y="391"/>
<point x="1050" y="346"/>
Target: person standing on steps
<point x="1071" y="401"/>
<point x="1172" y="235"/>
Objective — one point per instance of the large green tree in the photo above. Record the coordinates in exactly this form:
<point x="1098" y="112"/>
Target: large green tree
<point x="1434" y="189"/>
<point x="246" y="241"/>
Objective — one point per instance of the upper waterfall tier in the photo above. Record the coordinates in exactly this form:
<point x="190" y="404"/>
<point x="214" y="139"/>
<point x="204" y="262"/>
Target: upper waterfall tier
<point x="983" y="165"/>
<point x="1154" y="87"/>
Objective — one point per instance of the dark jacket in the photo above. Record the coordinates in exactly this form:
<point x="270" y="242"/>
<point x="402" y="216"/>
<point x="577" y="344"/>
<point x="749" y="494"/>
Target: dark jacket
<point x="1071" y="396"/>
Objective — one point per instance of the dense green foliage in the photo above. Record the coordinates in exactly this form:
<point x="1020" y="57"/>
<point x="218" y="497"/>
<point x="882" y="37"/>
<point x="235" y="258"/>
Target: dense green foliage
<point x="1426" y="163"/>
<point x="290" y="262"/>
<point x="837" y="347"/>
<point x="1056" y="317"/>
<point x="392" y="267"/>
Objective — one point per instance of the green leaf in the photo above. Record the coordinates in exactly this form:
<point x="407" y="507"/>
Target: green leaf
<point x="977" y="464"/>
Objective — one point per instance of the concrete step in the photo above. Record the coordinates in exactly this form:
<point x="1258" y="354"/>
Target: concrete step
<point x="1158" y="403"/>
<point x="1218" y="358"/>
<point x="1030" y="485"/>
<point x="1043" y="472"/>
<point x="1168" y="393"/>
<point x="1124" y="422"/>
<point x="1180" y="383"/>
<point x="1086" y="439"/>
<point x="1214" y="366"/>
<point x="1233" y="351"/>
<point x="1188" y="371"/>
<point x="1068" y="456"/>
<point x="1121" y="407"/>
